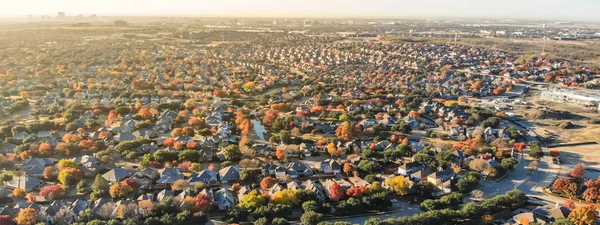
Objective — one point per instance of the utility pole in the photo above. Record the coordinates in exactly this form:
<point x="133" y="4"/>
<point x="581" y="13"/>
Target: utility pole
<point x="455" y="38"/>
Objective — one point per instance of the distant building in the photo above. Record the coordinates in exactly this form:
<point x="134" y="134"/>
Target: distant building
<point x="61" y="15"/>
<point x="570" y="96"/>
<point x="120" y="23"/>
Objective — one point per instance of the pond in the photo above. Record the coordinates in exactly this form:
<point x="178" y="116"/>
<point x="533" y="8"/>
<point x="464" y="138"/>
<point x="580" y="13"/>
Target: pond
<point x="259" y="129"/>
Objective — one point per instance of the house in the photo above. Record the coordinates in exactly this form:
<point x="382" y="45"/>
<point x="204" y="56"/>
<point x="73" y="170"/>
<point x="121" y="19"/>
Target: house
<point x="439" y="177"/>
<point x="117" y="174"/>
<point x="275" y="188"/>
<point x="421" y="174"/>
<point x="163" y="194"/>
<point x="330" y="166"/>
<point x="298" y="169"/>
<point x="224" y="199"/>
<point x="35" y="166"/>
<point x="229" y="174"/>
<point x="86" y="159"/>
<point x="24" y="182"/>
<point x="311" y="185"/>
<point x="528" y="216"/>
<point x="169" y="176"/>
<point x="205" y="176"/>
<point x="408" y="168"/>
<point x="551" y="214"/>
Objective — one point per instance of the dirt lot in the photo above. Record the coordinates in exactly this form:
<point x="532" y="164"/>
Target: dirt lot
<point x="582" y="130"/>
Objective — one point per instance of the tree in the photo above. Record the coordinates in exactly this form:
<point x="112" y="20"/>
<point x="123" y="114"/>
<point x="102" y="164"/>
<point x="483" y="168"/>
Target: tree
<point x="555" y="153"/>
<point x="49" y="173"/>
<point x="563" y="222"/>
<point x="570" y="204"/>
<point x="267" y="182"/>
<point x="252" y="200"/>
<point x="578" y="171"/>
<point x="592" y="191"/>
<point x="399" y="184"/>
<point x="52" y="192"/>
<point x="357" y="192"/>
<point x="6" y="177"/>
<point x="565" y="187"/>
<point x="64" y="163"/>
<point x="468" y="183"/>
<point x="280" y="153"/>
<point x="201" y="203"/>
<point x="27" y="216"/>
<point x="232" y="152"/>
<point x="30" y="197"/>
<point x="145" y="113"/>
<point x="6" y="220"/>
<point x="279" y="221"/>
<point x="479" y="165"/>
<point x="100" y="187"/>
<point x="584" y="215"/>
<point x="180" y="185"/>
<point x="18" y="192"/>
<point x="120" y="190"/>
<point x="535" y="151"/>
<point x="310" y="206"/>
<point x="488" y="219"/>
<point x="69" y="176"/>
<point x="348" y="168"/>
<point x="270" y="117"/>
<point x="311" y="218"/>
<point x="333" y="150"/>
<point x="336" y="192"/>
<point x="345" y="131"/>
<point x="285" y="197"/>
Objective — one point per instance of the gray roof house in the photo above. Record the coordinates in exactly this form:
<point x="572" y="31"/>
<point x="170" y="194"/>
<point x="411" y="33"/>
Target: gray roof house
<point x="229" y="174"/>
<point x="116" y="174"/>
<point x="169" y="175"/>
<point x="205" y="176"/>
<point x="24" y="182"/>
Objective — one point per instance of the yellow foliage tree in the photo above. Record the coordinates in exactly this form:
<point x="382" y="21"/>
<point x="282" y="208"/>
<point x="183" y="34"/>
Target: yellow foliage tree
<point x="400" y="184"/>
<point x="285" y="197"/>
<point x="27" y="216"/>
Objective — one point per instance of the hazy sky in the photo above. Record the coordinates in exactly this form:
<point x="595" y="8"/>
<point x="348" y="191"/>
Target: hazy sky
<point x="538" y="9"/>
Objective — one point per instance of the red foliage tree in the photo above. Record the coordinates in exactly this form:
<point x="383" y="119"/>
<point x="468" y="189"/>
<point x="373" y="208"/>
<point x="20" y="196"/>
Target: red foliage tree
<point x="6" y="220"/>
<point x="336" y="192"/>
<point x="280" y="153"/>
<point x="169" y="142"/>
<point x="499" y="91"/>
<point x="321" y="143"/>
<point x="52" y="192"/>
<point x="267" y="182"/>
<point x="577" y="171"/>
<point x="192" y="145"/>
<point x="185" y="166"/>
<point x="357" y="191"/>
<point x="592" y="193"/>
<point x="565" y="187"/>
<point x="555" y="153"/>
<point x="201" y="203"/>
<point x="570" y="204"/>
<point x="270" y="117"/>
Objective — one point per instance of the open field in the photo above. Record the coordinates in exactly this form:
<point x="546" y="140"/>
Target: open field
<point x="585" y="52"/>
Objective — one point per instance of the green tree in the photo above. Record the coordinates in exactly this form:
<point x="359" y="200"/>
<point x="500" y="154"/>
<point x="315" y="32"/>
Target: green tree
<point x="311" y="218"/>
<point x="100" y="187"/>
<point x="232" y="152"/>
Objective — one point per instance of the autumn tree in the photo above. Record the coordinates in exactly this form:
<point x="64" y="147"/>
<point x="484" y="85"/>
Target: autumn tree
<point x="145" y="113"/>
<point x="357" y="192"/>
<point x="348" y="168"/>
<point x="267" y="182"/>
<point x="285" y="197"/>
<point x="578" y="171"/>
<point x="399" y="184"/>
<point x="120" y="190"/>
<point x="49" y="173"/>
<point x="345" y="131"/>
<point x="270" y="117"/>
<point x="252" y="200"/>
<point x="280" y="153"/>
<point x="336" y="192"/>
<point x="18" y="192"/>
<point x="52" y="192"/>
<point x="569" y="204"/>
<point x="592" y="191"/>
<point x="333" y="150"/>
<point x="180" y="185"/>
<point x="565" y="187"/>
<point x="584" y="215"/>
<point x="201" y="203"/>
<point x="27" y="216"/>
